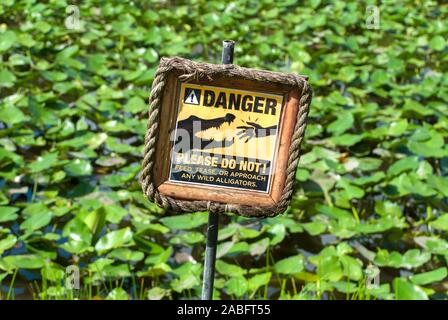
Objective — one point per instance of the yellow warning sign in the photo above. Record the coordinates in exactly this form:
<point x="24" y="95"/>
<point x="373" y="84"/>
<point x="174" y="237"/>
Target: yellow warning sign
<point x="225" y="137"/>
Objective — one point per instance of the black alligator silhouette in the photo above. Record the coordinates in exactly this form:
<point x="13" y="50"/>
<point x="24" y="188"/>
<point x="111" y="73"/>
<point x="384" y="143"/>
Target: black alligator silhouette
<point x="204" y="124"/>
<point x="194" y="124"/>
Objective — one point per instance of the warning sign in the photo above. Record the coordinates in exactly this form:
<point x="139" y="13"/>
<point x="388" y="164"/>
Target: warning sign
<point x="225" y="137"/>
<point x="192" y="96"/>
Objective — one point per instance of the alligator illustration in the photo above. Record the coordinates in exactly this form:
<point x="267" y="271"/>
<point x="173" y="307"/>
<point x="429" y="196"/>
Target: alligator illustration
<point x="194" y="125"/>
<point x="188" y="129"/>
<point x="204" y="124"/>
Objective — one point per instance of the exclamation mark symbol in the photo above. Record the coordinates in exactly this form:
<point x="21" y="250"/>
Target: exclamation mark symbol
<point x="264" y="168"/>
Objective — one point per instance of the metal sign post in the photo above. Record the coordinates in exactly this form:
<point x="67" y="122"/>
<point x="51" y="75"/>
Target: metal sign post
<point x="210" y="256"/>
<point x="213" y="217"/>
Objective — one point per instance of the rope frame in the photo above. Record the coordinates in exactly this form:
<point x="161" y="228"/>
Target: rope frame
<point x="190" y="70"/>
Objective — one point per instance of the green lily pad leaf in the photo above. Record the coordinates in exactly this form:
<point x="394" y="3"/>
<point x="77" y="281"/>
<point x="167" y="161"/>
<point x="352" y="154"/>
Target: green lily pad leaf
<point x="54" y="76"/>
<point x="79" y="236"/>
<point x="227" y="232"/>
<point x="380" y="77"/>
<point x="42" y="26"/>
<point x="44" y="162"/>
<point x="352" y="267"/>
<point x="188" y="268"/>
<point x="53" y="273"/>
<point x="334" y="212"/>
<point x="397" y="128"/>
<point x="126" y="254"/>
<point x="157" y="293"/>
<point x="88" y="139"/>
<point x="415" y="258"/>
<point x="368" y="180"/>
<point x="404" y="290"/>
<point x="369" y="164"/>
<point x="223" y="248"/>
<point x="147" y="246"/>
<point x="36" y="215"/>
<point x="110" y="161"/>
<point x="416" y="109"/>
<point x="55" y="292"/>
<point x="439" y="183"/>
<point x="427" y="143"/>
<point x="7" y="243"/>
<point x="24" y="261"/>
<point x="37" y="220"/>
<point x="135" y="105"/>
<point x="410" y="184"/>
<point x="411" y="259"/>
<point x="7" y="78"/>
<point x="259" y="247"/>
<point x="384" y="258"/>
<point x="78" y="167"/>
<point x="278" y="232"/>
<point x="97" y="63"/>
<point x="185" y="221"/>
<point x="259" y="280"/>
<point x="115" y="213"/>
<point x="114" y="126"/>
<point x="430" y="276"/>
<point x="351" y="190"/>
<point x="8" y="213"/>
<point x="239" y="248"/>
<point x="315" y="228"/>
<point x="236" y="286"/>
<point x="188" y="238"/>
<point x="246" y="233"/>
<point x="157" y="270"/>
<point x="424" y="170"/>
<point x="302" y="174"/>
<point x="298" y="52"/>
<point x="329" y="268"/>
<point x="12" y="115"/>
<point x="345" y="286"/>
<point x="437" y="43"/>
<point x="403" y="165"/>
<point x="95" y="220"/>
<point x="290" y="265"/>
<point x="159" y="255"/>
<point x="118" y="294"/>
<point x="347" y="139"/>
<point x="441" y="222"/>
<point x="185" y="282"/>
<point x="228" y="269"/>
<point x="67" y="53"/>
<point x="154" y="228"/>
<point x="7" y="39"/>
<point x="99" y="264"/>
<point x="151" y="55"/>
<point x="343" y="123"/>
<point x="347" y="73"/>
<point x="387" y="208"/>
<point x="114" y="239"/>
<point x="113" y="271"/>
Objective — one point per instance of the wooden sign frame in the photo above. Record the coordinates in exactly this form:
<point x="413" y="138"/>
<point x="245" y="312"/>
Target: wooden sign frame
<point x="163" y="113"/>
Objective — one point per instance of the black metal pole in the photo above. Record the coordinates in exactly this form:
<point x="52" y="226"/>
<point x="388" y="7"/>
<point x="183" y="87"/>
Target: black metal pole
<point x="228" y="47"/>
<point x="210" y="256"/>
<point x="213" y="217"/>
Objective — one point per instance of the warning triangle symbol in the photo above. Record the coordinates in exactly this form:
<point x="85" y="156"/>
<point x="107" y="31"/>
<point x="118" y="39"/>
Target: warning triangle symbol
<point x="192" y="98"/>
